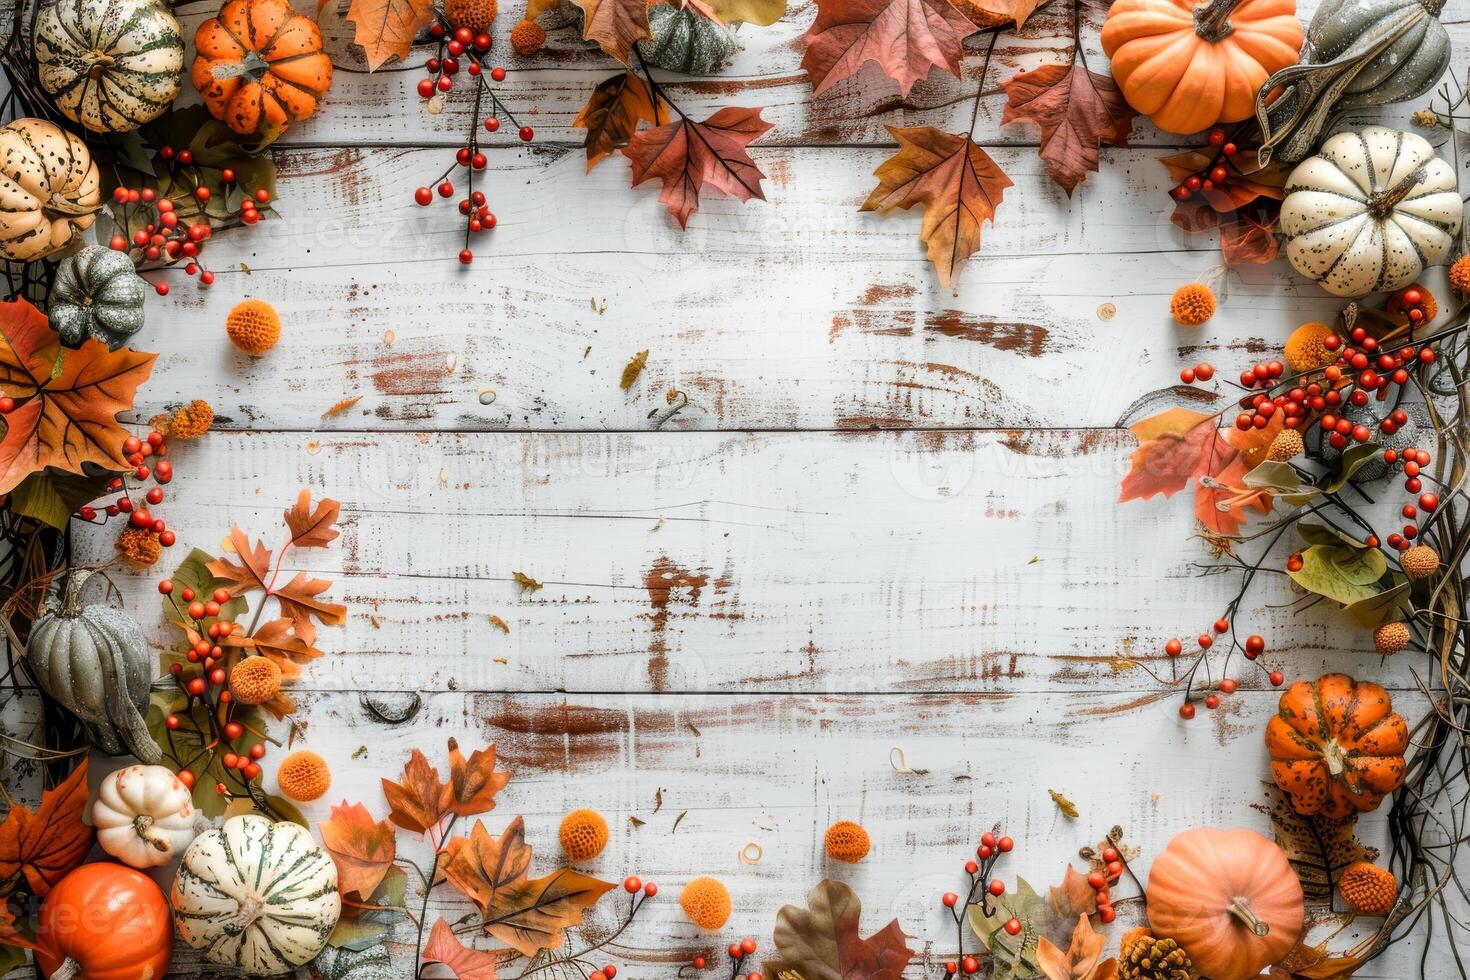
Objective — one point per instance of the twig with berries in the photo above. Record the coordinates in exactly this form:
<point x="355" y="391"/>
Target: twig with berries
<point x="982" y="888"/>
<point x="738" y="953"/>
<point x="639" y="893"/>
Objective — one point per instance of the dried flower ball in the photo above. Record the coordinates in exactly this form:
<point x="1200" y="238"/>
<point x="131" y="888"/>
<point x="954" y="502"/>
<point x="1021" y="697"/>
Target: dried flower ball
<point x="527" y="38"/>
<point x="139" y="546"/>
<point x="477" y="15"/>
<point x="847" y="842"/>
<point x="1367" y="888"/>
<point x="1287" y="445"/>
<point x="583" y="835"/>
<point x="706" y="901"/>
<point x="1305" y="350"/>
<point x="255" y="680"/>
<point x="303" y="776"/>
<point x="254" y="326"/>
<point x="186" y="422"/>
<point x="1419" y="562"/>
<point x="1193" y="304"/>
<point x="1390" y="638"/>
<point x="1460" y="274"/>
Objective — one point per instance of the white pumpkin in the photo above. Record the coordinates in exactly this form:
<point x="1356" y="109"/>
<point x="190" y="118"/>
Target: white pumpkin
<point x="110" y="65"/>
<point x="144" y="816"/>
<point x="257" y="895"/>
<point x="1370" y="211"/>
<point x="49" y="189"/>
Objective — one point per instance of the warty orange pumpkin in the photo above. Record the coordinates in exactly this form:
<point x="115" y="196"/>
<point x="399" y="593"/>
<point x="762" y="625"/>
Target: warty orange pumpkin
<point x="1189" y="67"/>
<point x="1336" y="746"/>
<point x="260" y="65"/>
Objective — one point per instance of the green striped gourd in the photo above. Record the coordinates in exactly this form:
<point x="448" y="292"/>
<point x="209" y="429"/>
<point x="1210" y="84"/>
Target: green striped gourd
<point x="256" y="895"/>
<point x="111" y="65"/>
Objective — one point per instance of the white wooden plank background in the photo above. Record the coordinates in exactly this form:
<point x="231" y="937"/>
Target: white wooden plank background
<point x="958" y="593"/>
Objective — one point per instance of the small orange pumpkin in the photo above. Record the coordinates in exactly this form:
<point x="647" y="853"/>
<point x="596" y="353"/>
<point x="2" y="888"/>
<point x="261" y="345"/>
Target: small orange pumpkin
<point x="260" y="65"/>
<point x="1189" y="67"/>
<point x="1228" y="898"/>
<point x="105" y="921"/>
<point x="1336" y="746"/>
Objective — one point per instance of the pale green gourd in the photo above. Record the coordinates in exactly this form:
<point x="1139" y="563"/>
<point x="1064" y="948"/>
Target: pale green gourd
<point x="94" y="661"/>
<point x="97" y="294"/>
<point x="686" y="41"/>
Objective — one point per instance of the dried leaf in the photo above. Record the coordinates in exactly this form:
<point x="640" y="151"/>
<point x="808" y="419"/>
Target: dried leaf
<point x="822" y="941"/>
<point x="987" y="14"/>
<point x="253" y="570"/>
<point x="905" y="38"/>
<point x="759" y="12"/>
<point x="386" y="28"/>
<point x="1063" y="804"/>
<point x="1175" y="447"/>
<point x="1248" y="240"/>
<point x="65" y="418"/>
<point x="313" y="528"/>
<point x="275" y="639"/>
<point x="500" y="624"/>
<point x="526" y="582"/>
<point x="633" y="368"/>
<point x="614" y="24"/>
<point x="339" y="407"/>
<point x="1080" y="961"/>
<point x="636" y="821"/>
<point x="689" y="156"/>
<point x="299" y="601"/>
<point x="467" y="964"/>
<point x="955" y="180"/>
<point x="678" y="820"/>
<point x="1317" y="849"/>
<point x="473" y="783"/>
<point x="612" y="114"/>
<point x="418" y="799"/>
<point x="1078" y="111"/>
<point x="362" y="848"/>
<point x="41" y="846"/>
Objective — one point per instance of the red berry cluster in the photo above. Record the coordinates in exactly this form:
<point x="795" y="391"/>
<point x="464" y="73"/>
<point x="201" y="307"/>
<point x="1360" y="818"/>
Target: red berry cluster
<point x="1252" y="649"/>
<point x="137" y="452"/>
<point x="982" y="888"/>
<point x="1100" y="881"/>
<point x="1414" y="461"/>
<point x="205" y="680"/>
<point x="1203" y="371"/>
<point x="1292" y="404"/>
<point x="1216" y="175"/>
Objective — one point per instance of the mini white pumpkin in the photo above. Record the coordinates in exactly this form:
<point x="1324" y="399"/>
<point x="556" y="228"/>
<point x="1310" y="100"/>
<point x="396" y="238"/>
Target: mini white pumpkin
<point x="257" y="895"/>
<point x="1370" y="211"/>
<point x="144" y="816"/>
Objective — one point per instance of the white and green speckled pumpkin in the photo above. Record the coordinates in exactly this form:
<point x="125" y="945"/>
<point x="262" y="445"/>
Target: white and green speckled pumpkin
<point x="1370" y="211"/>
<point x="686" y="41"/>
<point x="111" y="65"/>
<point x="256" y="895"/>
<point x="97" y="294"/>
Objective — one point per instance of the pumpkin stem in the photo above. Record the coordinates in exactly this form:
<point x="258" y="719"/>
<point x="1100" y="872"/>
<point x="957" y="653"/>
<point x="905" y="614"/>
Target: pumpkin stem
<point x="68" y="970"/>
<point x="1335" y="757"/>
<point x="252" y="67"/>
<point x="250" y="910"/>
<point x="1432" y="7"/>
<point x="1241" y="909"/>
<point x="71" y="596"/>
<point x="97" y="63"/>
<point x="1212" y="20"/>
<point x="1381" y="205"/>
<point x="143" y="827"/>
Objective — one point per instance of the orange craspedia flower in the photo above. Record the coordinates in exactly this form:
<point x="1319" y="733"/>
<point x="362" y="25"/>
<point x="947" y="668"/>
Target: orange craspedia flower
<point x="254" y="326"/>
<point x="1193" y="304"/>
<point x="477" y="15"/>
<point x="1367" y="888"/>
<point x="1305" y="350"/>
<point x="527" y="37"/>
<point x="1419" y="562"/>
<point x="191" y="421"/>
<point x="303" y="776"/>
<point x="847" y="842"/>
<point x="139" y="546"/>
<point x="255" y="680"/>
<point x="706" y="901"/>
<point x="583" y="834"/>
<point x="1460" y="274"/>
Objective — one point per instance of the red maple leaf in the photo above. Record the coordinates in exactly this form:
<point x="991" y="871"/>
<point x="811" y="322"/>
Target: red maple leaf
<point x="689" y="156"/>
<point x="906" y="38"/>
<point x="1174" y="447"/>
<point x="467" y="964"/>
<point x="1078" y="111"/>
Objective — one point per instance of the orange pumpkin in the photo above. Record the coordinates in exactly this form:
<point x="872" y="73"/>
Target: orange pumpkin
<point x="1336" y="746"/>
<point x="1189" y="67"/>
<point x="1228" y="898"/>
<point x="104" y="922"/>
<point x="260" y="65"/>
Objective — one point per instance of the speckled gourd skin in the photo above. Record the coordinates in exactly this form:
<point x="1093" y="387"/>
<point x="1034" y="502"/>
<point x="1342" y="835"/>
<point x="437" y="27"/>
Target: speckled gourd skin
<point x="49" y="189"/>
<point x="97" y="294"/>
<point x="95" y="662"/>
<point x="258" y="895"/>
<point x="1409" y="66"/>
<point x="1370" y="211"/>
<point x="110" y="65"/>
<point x="686" y="41"/>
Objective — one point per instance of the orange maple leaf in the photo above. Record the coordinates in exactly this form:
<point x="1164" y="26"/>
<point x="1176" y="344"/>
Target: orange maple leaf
<point x="299" y="601"/>
<point x="1077" y="110"/>
<point x="988" y="14"/>
<point x="612" y="114"/>
<point x="955" y="180"/>
<point x="65" y="416"/>
<point x="1175" y="447"/>
<point x="689" y="156"/>
<point x="1082" y="960"/>
<point x="253" y="570"/>
<point x="473" y="784"/>
<point x="386" y="28"/>
<point x="905" y="38"/>
<point x="418" y="799"/>
<point x="467" y="964"/>
<point x="362" y="848"/>
<point x="313" y="528"/>
<point x="615" y="24"/>
<point x="41" y="846"/>
<point x="275" y="640"/>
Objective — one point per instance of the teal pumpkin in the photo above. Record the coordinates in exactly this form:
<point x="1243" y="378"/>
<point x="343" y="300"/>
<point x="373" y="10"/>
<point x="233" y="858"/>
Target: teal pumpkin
<point x="686" y="41"/>
<point x="98" y="295"/>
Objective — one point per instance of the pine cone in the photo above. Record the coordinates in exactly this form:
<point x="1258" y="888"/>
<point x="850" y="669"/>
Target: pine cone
<point x="1143" y="956"/>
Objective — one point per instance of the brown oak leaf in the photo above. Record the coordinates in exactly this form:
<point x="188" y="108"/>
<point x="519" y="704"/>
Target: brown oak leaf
<point x="689" y="156"/>
<point x="613" y="112"/>
<point x="1082" y="960"/>
<point x="467" y="964"/>
<point x="277" y="640"/>
<point x="418" y="799"/>
<point x="299" y="601"/>
<point x="253" y="571"/>
<point x="905" y="38"/>
<point x="386" y="28"/>
<point x="67" y="401"/>
<point x="957" y="183"/>
<point x="1078" y="111"/>
<point x="362" y="848"/>
<point x="473" y="783"/>
<point x="313" y="528"/>
<point x="42" y="845"/>
<point x="822" y="942"/>
<point x="615" y="25"/>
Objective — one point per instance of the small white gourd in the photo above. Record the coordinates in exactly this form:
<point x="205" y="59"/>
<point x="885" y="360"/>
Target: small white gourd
<point x="144" y="816"/>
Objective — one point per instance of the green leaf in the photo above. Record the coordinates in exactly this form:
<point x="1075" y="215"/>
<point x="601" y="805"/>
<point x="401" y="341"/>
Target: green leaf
<point x="1353" y="460"/>
<point x="193" y="573"/>
<point x="1374" y="611"/>
<point x="52" y="496"/>
<point x="1282" y="480"/>
<point x="1015" y="956"/>
<point x="1340" y="573"/>
<point x="1314" y="533"/>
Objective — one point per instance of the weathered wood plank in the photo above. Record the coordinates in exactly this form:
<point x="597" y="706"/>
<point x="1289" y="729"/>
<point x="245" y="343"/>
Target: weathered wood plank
<point x="799" y="312"/>
<point x="704" y="562"/>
